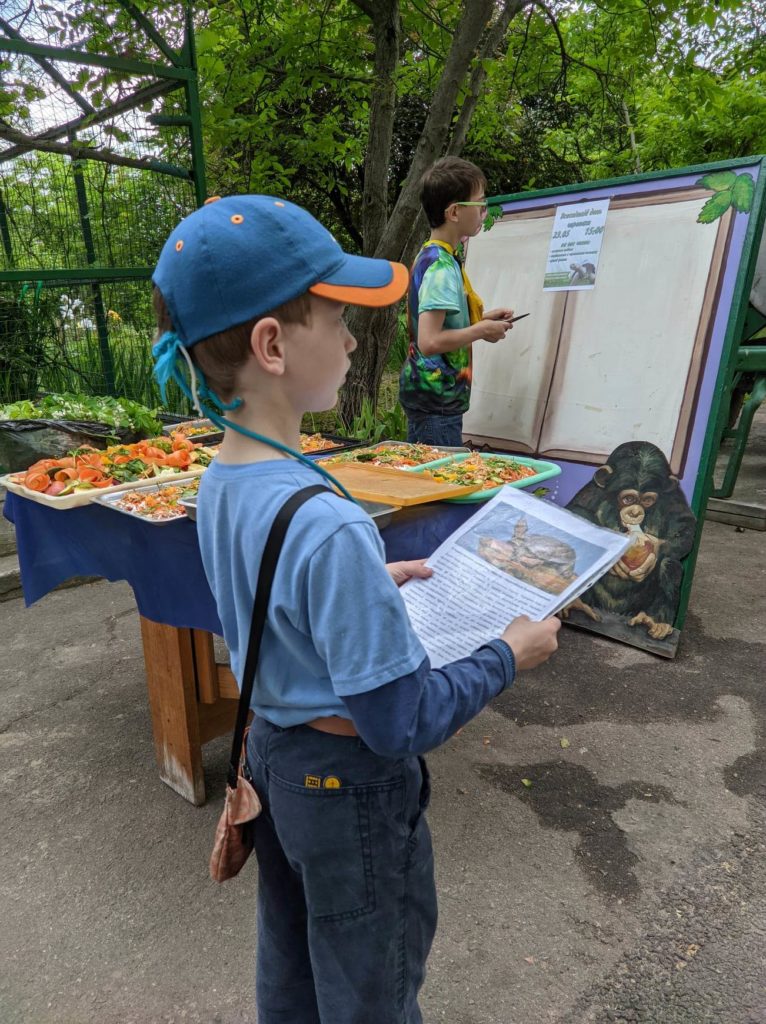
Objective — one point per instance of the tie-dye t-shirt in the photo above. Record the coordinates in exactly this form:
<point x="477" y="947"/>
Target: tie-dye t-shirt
<point x="440" y="383"/>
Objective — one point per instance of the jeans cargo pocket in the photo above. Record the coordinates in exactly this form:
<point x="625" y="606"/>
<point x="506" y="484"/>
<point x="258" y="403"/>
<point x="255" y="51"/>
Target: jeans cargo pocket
<point x="331" y="836"/>
<point x="419" y="804"/>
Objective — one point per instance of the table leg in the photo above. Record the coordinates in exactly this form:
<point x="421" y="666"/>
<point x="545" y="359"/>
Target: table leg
<point x="171" y="682"/>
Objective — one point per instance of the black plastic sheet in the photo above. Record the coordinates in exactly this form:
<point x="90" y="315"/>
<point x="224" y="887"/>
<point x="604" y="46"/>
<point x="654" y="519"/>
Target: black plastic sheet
<point x="23" y="442"/>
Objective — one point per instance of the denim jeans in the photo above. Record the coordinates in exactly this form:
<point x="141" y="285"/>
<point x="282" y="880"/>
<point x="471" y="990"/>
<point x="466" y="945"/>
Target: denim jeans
<point x="431" y="428"/>
<point x="346" y="894"/>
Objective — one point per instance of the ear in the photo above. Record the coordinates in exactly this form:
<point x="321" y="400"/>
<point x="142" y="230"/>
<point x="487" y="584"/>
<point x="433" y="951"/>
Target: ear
<point x="267" y="343"/>
<point x="602" y="475"/>
<point x="671" y="483"/>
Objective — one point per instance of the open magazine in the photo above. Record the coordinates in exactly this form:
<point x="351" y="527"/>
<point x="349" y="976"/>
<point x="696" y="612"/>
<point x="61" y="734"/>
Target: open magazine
<point x="519" y="555"/>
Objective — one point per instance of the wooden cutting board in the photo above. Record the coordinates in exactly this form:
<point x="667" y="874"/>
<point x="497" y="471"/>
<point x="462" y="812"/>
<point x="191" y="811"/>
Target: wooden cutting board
<point x="394" y="486"/>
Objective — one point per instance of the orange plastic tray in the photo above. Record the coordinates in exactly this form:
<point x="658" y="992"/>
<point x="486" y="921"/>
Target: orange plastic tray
<point x="393" y="487"/>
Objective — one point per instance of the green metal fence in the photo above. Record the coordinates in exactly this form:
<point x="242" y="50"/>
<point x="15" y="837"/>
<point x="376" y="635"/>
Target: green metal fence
<point x="99" y="157"/>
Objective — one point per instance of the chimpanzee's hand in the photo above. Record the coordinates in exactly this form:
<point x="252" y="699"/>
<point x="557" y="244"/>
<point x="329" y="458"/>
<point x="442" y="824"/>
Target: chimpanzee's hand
<point x="642" y="571"/>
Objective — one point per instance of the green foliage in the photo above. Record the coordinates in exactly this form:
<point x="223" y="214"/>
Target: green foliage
<point x="742" y="193"/>
<point x="493" y="213"/>
<point x="115" y="412"/>
<point x="718" y="181"/>
<point x="401" y="344"/>
<point x="373" y="424"/>
<point x="729" y="189"/>
<point x="21" y="346"/>
<point x="715" y="207"/>
<point x="643" y="87"/>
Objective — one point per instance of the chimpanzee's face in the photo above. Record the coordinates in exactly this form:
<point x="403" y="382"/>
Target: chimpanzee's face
<point x="632" y="506"/>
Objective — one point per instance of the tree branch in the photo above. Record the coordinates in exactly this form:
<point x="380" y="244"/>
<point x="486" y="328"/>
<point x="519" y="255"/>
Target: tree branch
<point x="105" y="156"/>
<point x="492" y="42"/>
<point x="472" y="24"/>
<point x="386" y="25"/>
<point x="149" y="30"/>
<point x="140" y="96"/>
<point x="49" y="69"/>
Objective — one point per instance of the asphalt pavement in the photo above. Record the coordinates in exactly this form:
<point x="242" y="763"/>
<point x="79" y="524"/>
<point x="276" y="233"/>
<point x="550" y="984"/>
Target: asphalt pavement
<point x="626" y="883"/>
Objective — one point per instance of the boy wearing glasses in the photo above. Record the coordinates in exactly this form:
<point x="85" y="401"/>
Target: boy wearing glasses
<point x="445" y="316"/>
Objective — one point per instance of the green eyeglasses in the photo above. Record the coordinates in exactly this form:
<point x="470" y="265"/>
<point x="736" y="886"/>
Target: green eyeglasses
<point x="471" y="202"/>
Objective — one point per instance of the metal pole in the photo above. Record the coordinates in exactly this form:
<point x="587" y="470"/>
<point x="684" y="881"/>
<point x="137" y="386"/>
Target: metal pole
<point x="192" y="104"/>
<point x="107" y="364"/>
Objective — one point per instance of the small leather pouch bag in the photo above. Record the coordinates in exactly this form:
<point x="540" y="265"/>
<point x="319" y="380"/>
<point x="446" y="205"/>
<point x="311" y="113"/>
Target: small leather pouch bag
<point x="233" y="840"/>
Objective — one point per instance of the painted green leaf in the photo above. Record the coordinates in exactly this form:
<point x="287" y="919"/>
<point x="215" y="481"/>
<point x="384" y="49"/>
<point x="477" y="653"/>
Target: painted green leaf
<point x="718" y="180"/>
<point x="742" y="193"/>
<point x="715" y="207"/>
<point x="493" y="213"/>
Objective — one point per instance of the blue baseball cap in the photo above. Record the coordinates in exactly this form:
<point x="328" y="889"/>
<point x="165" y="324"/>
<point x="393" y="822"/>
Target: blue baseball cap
<point x="240" y="257"/>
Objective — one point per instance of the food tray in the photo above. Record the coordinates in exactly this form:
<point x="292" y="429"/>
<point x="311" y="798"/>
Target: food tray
<point x="80" y="498"/>
<point x="213" y="436"/>
<point x="380" y="514"/>
<point x="342" y="444"/>
<point x="392" y="486"/>
<point x="377" y="511"/>
<point x="327" y="456"/>
<point x="110" y="501"/>
<point x="543" y="471"/>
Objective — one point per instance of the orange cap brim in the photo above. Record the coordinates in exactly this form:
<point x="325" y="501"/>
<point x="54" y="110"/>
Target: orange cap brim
<point x="385" y="296"/>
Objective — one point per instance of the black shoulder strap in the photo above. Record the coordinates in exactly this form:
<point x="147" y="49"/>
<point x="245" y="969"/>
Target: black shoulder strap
<point x="260" y="607"/>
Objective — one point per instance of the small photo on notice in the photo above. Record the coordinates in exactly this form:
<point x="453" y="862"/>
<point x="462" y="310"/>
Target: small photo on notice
<point x="530" y="550"/>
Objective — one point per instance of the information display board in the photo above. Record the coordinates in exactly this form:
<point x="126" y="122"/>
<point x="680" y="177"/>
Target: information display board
<point x="633" y="346"/>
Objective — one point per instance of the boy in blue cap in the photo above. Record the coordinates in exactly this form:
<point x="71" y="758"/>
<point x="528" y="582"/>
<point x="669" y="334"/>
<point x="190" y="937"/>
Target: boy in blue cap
<point x="250" y="293"/>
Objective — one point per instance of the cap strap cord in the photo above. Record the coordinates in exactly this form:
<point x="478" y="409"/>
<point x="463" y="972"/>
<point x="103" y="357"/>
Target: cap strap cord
<point x="166" y="351"/>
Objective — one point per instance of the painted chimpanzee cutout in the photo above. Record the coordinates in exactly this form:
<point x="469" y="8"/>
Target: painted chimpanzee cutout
<point x="635" y="493"/>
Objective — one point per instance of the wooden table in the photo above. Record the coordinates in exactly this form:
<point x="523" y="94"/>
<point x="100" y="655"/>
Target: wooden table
<point x="192" y="700"/>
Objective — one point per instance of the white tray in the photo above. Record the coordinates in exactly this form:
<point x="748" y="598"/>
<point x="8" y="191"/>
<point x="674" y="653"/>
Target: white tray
<point x="80" y="498"/>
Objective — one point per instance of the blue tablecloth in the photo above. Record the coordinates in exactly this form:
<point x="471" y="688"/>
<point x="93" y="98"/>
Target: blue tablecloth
<point x="163" y="563"/>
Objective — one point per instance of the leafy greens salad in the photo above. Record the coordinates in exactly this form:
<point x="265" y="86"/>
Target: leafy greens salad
<point x="114" y="412"/>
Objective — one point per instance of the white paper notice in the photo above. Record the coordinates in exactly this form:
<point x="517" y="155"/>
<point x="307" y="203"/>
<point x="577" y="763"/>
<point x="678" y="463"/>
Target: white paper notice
<point x="576" y="237"/>
<point x="517" y="556"/>
<point x="468" y="606"/>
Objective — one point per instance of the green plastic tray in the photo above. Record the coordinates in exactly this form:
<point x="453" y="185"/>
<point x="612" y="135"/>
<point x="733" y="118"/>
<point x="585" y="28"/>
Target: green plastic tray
<point x="543" y="471"/>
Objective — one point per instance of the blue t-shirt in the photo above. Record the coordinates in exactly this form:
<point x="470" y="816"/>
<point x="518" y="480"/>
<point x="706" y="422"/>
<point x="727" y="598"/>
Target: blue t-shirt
<point x="336" y="624"/>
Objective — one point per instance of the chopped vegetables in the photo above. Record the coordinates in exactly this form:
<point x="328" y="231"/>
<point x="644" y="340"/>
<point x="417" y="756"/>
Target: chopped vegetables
<point x="317" y="443"/>
<point x="115" y="412"/>
<point x="87" y="468"/>
<point x="487" y="470"/>
<point x="397" y="456"/>
<point x="158" y="505"/>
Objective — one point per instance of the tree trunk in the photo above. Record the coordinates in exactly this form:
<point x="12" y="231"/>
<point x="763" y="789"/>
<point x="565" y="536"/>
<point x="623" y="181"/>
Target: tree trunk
<point x="374" y="329"/>
<point x="387" y="30"/>
<point x="493" y="40"/>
